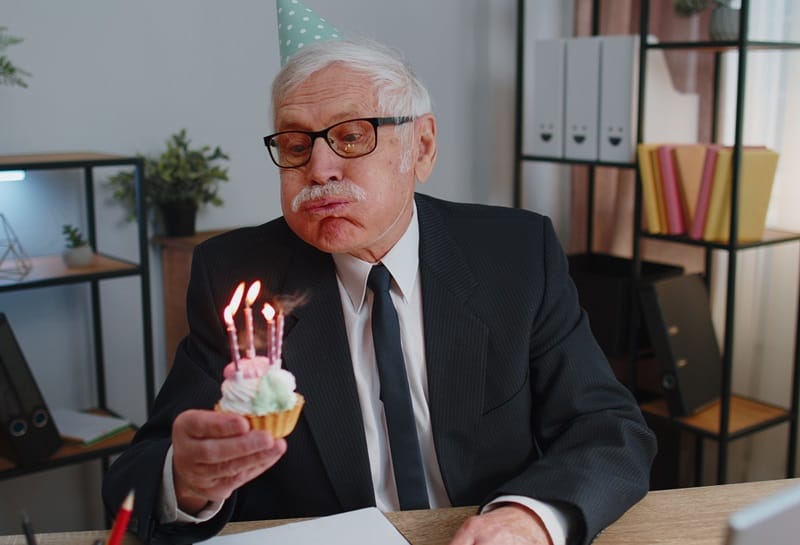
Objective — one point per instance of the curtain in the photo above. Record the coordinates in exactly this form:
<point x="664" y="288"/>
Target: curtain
<point x="767" y="286"/>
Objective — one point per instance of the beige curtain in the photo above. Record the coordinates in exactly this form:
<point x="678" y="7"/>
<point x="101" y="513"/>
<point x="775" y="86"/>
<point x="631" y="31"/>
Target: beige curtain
<point x="614" y="188"/>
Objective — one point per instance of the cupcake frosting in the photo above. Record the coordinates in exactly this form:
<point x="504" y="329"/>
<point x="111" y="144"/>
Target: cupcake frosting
<point x="275" y="391"/>
<point x="257" y="388"/>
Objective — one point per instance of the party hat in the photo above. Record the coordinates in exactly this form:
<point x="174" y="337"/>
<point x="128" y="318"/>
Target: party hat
<point x="298" y="26"/>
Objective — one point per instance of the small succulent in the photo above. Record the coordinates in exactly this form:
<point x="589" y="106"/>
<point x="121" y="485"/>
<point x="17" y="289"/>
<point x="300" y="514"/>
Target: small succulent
<point x="73" y="236"/>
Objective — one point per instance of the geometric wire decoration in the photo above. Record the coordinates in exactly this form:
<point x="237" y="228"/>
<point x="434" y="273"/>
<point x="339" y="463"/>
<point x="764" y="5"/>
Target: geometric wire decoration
<point x="14" y="262"/>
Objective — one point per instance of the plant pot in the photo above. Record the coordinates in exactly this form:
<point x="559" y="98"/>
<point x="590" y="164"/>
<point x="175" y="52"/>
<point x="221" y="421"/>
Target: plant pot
<point x="78" y="257"/>
<point x="724" y="24"/>
<point x="179" y="218"/>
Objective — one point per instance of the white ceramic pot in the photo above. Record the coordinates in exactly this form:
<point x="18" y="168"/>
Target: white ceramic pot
<point x="78" y="257"/>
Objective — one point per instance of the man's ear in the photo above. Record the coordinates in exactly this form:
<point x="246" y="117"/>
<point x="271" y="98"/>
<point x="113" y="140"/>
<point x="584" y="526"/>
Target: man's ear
<point x="425" y="142"/>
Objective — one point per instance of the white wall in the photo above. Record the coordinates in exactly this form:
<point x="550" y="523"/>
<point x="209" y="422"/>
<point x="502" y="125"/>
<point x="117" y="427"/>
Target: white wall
<point x="120" y="77"/>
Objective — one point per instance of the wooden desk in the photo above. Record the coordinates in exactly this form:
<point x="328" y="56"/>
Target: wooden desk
<point x="687" y="516"/>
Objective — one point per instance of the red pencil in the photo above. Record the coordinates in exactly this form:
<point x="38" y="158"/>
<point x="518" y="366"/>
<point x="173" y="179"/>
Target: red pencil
<point x="121" y="521"/>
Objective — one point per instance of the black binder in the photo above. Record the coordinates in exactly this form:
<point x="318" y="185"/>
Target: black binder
<point x="29" y="435"/>
<point x="678" y="318"/>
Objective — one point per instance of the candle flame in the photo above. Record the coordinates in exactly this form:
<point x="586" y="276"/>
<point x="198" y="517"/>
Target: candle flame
<point x="228" y="315"/>
<point x="252" y="293"/>
<point x="268" y="311"/>
<point x="236" y="300"/>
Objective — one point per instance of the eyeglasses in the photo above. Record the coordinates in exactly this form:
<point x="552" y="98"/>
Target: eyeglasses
<point x="349" y="139"/>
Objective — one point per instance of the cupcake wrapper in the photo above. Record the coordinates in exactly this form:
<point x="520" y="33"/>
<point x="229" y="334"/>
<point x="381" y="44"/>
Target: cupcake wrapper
<point x="279" y="424"/>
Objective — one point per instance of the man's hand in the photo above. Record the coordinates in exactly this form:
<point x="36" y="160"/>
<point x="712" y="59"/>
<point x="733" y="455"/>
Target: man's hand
<point x="510" y="524"/>
<point x="214" y="453"/>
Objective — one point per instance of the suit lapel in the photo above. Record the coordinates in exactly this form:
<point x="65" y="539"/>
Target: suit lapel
<point x="316" y="351"/>
<point x="456" y="341"/>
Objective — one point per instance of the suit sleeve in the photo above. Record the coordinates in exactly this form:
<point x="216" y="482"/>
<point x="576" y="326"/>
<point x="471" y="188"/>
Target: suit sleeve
<point x="192" y="383"/>
<point x="596" y="449"/>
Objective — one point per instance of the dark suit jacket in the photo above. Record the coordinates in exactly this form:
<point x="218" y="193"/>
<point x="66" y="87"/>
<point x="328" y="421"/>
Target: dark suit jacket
<point x="522" y="400"/>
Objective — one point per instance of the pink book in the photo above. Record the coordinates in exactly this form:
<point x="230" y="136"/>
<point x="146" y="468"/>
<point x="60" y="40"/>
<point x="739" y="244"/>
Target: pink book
<point x="672" y="195"/>
<point x="704" y="195"/>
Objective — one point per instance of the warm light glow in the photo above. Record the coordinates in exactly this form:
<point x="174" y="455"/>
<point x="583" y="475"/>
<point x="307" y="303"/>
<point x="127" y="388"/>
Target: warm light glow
<point x="12" y="175"/>
<point x="236" y="300"/>
<point x="228" y="315"/>
<point x="253" y="292"/>
<point x="268" y="312"/>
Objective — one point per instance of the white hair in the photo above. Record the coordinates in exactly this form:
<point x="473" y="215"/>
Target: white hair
<point x="397" y="89"/>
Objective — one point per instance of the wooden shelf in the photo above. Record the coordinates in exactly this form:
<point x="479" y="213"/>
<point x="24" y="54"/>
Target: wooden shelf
<point x="746" y="416"/>
<point x="37" y="161"/>
<point x="74" y="451"/>
<point x="51" y="269"/>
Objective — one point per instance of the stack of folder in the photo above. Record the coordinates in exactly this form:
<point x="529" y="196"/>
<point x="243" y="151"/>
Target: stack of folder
<point x="686" y="189"/>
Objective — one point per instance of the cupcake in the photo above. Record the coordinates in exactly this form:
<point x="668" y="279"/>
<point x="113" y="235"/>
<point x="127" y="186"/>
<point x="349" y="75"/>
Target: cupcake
<point x="264" y="393"/>
<point x="256" y="386"/>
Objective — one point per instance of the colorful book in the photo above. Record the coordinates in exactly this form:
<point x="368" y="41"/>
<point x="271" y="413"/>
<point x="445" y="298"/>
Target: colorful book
<point x="669" y="185"/>
<point x="648" y="188"/>
<point x="689" y="160"/>
<point x="698" y="225"/>
<point x="757" y="173"/>
<point x="755" y="189"/>
<point x="662" y="209"/>
<point x="720" y="192"/>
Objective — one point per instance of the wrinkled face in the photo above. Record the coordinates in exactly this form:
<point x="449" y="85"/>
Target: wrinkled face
<point x="359" y="206"/>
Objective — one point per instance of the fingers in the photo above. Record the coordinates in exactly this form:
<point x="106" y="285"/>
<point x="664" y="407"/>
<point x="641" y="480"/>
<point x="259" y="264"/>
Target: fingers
<point x="215" y="453"/>
<point x="505" y="525"/>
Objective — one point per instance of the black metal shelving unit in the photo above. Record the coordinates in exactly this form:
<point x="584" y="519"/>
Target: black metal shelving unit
<point x="733" y="417"/>
<point x="49" y="271"/>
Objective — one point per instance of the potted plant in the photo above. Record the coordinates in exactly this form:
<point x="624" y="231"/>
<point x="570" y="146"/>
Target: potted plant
<point x="724" y="23"/>
<point x="10" y="74"/>
<point x="78" y="252"/>
<point x="175" y="183"/>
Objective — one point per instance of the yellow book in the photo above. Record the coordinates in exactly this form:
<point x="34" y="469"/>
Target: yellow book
<point x="689" y="160"/>
<point x="756" y="177"/>
<point x="755" y="189"/>
<point x="659" y="188"/>
<point x="720" y="193"/>
<point x="648" y="187"/>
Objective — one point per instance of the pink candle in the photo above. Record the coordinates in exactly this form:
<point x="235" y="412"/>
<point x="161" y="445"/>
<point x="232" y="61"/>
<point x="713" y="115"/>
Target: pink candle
<point x="252" y="294"/>
<point x="232" y="337"/>
<point x="279" y="339"/>
<point x="228" y="314"/>
<point x="268" y="311"/>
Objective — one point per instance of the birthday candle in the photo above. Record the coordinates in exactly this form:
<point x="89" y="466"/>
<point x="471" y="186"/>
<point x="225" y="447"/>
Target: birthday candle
<point x="279" y="339"/>
<point x="228" y="314"/>
<point x="252" y="294"/>
<point x="268" y="311"/>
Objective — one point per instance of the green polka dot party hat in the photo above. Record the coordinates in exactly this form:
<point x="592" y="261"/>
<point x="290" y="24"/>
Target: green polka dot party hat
<point x="299" y="26"/>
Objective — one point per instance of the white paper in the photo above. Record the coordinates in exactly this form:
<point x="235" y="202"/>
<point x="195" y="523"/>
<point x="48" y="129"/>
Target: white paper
<point x="361" y="527"/>
<point x="86" y="427"/>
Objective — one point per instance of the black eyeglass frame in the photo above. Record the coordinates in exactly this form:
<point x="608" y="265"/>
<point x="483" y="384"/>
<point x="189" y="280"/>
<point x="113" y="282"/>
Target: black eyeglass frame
<point x="313" y="135"/>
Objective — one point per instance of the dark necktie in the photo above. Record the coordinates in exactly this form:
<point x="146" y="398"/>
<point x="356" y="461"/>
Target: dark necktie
<point x="406" y="458"/>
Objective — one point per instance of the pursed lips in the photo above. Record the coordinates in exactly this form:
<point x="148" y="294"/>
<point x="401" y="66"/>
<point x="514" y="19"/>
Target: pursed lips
<point x="325" y="206"/>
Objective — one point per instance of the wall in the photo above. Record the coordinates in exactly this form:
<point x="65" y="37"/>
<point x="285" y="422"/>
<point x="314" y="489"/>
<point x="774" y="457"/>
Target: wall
<point x="121" y="77"/>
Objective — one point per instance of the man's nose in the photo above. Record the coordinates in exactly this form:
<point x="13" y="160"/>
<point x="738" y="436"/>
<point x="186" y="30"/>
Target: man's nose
<point x="324" y="165"/>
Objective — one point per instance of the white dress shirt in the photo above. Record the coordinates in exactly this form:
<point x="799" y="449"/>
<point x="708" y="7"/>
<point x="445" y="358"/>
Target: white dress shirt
<point x="402" y="261"/>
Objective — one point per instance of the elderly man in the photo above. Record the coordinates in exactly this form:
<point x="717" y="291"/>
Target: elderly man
<point x="515" y="408"/>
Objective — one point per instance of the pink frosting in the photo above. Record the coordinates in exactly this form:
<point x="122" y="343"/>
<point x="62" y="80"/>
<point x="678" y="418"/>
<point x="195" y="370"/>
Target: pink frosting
<point x="250" y="367"/>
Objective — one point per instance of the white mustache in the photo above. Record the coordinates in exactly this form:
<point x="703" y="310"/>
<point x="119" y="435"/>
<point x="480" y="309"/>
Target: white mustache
<point x="345" y="188"/>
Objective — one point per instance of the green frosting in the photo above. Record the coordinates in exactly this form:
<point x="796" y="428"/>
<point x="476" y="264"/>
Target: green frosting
<point x="275" y="391"/>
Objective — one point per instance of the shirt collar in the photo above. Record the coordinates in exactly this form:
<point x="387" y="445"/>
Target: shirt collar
<point x="402" y="261"/>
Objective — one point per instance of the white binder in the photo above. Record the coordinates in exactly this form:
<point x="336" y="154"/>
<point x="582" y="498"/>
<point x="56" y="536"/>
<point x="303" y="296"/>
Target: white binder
<point x="544" y="101"/>
<point x="583" y="94"/>
<point x="619" y="83"/>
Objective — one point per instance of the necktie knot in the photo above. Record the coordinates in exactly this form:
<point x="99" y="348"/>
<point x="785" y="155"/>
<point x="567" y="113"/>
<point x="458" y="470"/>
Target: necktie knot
<point x="379" y="279"/>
